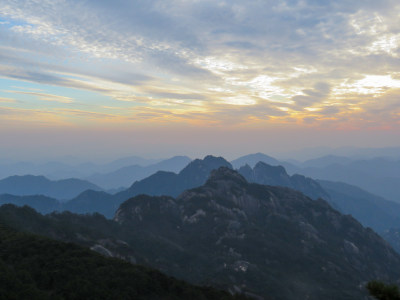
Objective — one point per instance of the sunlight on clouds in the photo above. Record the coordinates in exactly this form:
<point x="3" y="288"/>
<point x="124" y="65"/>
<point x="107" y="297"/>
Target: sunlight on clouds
<point x="301" y="70"/>
<point x="386" y="43"/>
<point x="44" y="96"/>
<point x="370" y="84"/>
<point x="85" y="116"/>
<point x="312" y="108"/>
<point x="30" y="116"/>
<point x="218" y="65"/>
<point x="240" y="100"/>
<point x="365" y="23"/>
<point x="203" y="62"/>
<point x="263" y="87"/>
<point x="380" y="38"/>
<point x="9" y="100"/>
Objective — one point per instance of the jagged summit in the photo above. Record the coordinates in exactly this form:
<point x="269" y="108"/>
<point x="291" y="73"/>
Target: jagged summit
<point x="225" y="174"/>
<point x="205" y="165"/>
<point x="275" y="170"/>
<point x="193" y="175"/>
<point x="253" y="159"/>
<point x="263" y="173"/>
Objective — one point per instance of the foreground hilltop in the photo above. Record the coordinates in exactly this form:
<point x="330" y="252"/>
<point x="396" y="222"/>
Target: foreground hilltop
<point x="34" y="267"/>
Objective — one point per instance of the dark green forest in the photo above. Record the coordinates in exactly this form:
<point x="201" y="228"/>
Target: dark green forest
<point x="34" y="267"/>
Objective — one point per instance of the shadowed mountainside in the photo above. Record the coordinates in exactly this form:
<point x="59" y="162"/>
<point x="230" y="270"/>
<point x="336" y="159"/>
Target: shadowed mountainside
<point x="34" y="267"/>
<point x="371" y="210"/>
<point x="269" y="241"/>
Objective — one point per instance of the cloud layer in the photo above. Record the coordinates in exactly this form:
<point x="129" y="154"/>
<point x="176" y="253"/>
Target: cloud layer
<point x="332" y="64"/>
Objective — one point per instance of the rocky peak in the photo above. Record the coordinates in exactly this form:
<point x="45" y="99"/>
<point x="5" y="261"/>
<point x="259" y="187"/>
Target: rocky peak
<point x="146" y="207"/>
<point x="205" y="165"/>
<point x="263" y="173"/>
<point x="227" y="175"/>
<point x="276" y="175"/>
<point x="273" y="170"/>
<point x="193" y="175"/>
<point x="247" y="172"/>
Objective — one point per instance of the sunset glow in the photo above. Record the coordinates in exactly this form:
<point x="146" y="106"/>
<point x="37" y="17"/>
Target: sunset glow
<point x="225" y="65"/>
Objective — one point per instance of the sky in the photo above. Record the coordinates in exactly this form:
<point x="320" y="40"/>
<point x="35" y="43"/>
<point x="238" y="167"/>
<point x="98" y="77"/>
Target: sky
<point x="157" y="78"/>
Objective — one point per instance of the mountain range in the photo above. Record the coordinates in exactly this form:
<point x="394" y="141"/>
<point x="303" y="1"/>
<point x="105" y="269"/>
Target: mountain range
<point x="266" y="174"/>
<point x="253" y="159"/>
<point x="379" y="176"/>
<point x="62" y="190"/>
<point x="160" y="183"/>
<point x="55" y="170"/>
<point x="370" y="210"/>
<point x="125" y="176"/>
<point x="265" y="241"/>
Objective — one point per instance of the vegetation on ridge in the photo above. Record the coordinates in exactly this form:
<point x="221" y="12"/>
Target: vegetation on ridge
<point x="33" y="267"/>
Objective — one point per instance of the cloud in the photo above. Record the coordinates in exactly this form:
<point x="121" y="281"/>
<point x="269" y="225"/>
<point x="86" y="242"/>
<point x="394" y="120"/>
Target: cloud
<point x="28" y="117"/>
<point x="46" y="97"/>
<point x="8" y="100"/>
<point x="285" y="60"/>
<point x="85" y="114"/>
<point x="317" y="94"/>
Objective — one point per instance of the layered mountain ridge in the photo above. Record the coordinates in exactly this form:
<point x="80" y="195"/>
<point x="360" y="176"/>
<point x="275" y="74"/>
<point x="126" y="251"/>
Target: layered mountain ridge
<point x="370" y="210"/>
<point x="63" y="190"/>
<point x="268" y="241"/>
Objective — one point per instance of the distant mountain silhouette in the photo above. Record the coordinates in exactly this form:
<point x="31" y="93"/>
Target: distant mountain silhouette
<point x="253" y="159"/>
<point x="129" y="161"/>
<point x="161" y="183"/>
<point x="56" y="170"/>
<point x="326" y="161"/>
<point x="379" y="176"/>
<point x="40" y="203"/>
<point x="125" y="176"/>
<point x="92" y="201"/>
<point x="39" y="185"/>
<point x="370" y="210"/>
<point x="171" y="184"/>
